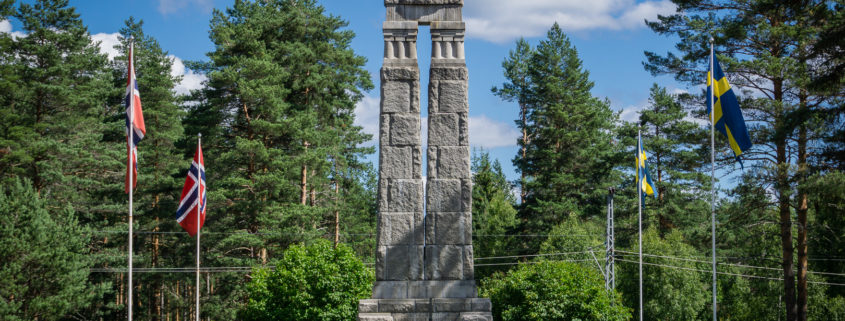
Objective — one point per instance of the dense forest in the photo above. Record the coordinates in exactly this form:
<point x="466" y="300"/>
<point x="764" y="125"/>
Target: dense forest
<point x="291" y="198"/>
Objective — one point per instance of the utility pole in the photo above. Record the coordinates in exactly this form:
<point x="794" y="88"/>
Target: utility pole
<point x="609" y="266"/>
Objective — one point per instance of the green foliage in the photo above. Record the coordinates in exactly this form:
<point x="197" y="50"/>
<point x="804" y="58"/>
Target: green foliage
<point x="162" y="164"/>
<point x="282" y="150"/>
<point x="668" y="293"/>
<point x="832" y="308"/>
<point x="829" y="191"/>
<point x="314" y="282"/>
<point x="576" y="235"/>
<point x="43" y="258"/>
<point x="492" y="202"/>
<point x="552" y="291"/>
<point x="676" y="154"/>
<point x="765" y="48"/>
<point x="570" y="132"/>
<point x="493" y="212"/>
<point x="55" y="119"/>
<point x="51" y="116"/>
<point x="567" y="153"/>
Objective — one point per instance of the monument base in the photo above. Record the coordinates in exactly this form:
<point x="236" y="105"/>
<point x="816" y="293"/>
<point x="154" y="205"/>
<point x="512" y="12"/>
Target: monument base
<point x="424" y="289"/>
<point x="433" y="309"/>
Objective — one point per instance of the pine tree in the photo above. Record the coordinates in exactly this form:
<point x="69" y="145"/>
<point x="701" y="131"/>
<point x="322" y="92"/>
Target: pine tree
<point x="161" y="164"/>
<point x="283" y="151"/>
<point x="569" y="154"/>
<point x="518" y="88"/>
<point x="763" y="46"/>
<point x="52" y="120"/>
<point x="675" y="149"/>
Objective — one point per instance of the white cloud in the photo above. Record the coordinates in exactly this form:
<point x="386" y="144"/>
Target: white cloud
<point x="190" y="79"/>
<point x="678" y="91"/>
<point x="631" y="113"/>
<point x="502" y="21"/>
<point x="366" y="116"/>
<point x="172" y="6"/>
<point x="488" y="133"/>
<point x="107" y="43"/>
<point x="6" y="27"/>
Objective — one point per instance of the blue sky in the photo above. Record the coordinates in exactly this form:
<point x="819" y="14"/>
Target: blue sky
<point x="610" y="36"/>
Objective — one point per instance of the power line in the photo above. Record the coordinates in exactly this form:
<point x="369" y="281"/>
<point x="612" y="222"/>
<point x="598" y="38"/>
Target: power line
<point x="533" y="235"/>
<point x="726" y="273"/>
<point x="723" y="263"/>
<point x="527" y="255"/>
<point x="223" y="233"/>
<point x="529" y="262"/>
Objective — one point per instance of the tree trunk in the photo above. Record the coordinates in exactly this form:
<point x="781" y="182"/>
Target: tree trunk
<point x="178" y="309"/>
<point x="336" y="214"/>
<point x="313" y="190"/>
<point x="263" y="256"/>
<point x="802" y="225"/>
<point x="783" y="190"/>
<point x="155" y="307"/>
<point x="522" y="111"/>
<point x="785" y="233"/>
<point x="304" y="183"/>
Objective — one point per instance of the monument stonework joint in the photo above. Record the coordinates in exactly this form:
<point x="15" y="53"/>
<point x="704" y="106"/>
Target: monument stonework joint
<point x="424" y="267"/>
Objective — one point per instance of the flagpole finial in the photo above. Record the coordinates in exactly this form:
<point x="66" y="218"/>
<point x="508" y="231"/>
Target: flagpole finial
<point x="199" y="134"/>
<point x="711" y="40"/>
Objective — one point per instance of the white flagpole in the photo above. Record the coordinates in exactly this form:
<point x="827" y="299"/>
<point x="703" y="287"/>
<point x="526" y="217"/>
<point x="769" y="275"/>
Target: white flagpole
<point x="131" y="155"/>
<point x="712" y="80"/>
<point x="199" y="202"/>
<point x="640" y="218"/>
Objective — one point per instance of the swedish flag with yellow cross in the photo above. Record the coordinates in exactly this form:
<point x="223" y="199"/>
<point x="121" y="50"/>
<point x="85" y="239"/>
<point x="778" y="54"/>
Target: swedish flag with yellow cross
<point x="643" y="176"/>
<point x="727" y="117"/>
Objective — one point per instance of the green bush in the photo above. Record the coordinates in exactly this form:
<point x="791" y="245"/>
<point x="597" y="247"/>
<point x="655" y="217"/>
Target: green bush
<point x="315" y="282"/>
<point x="552" y="291"/>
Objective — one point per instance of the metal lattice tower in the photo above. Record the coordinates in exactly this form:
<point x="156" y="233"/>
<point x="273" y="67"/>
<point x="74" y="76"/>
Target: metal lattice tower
<point x="609" y="266"/>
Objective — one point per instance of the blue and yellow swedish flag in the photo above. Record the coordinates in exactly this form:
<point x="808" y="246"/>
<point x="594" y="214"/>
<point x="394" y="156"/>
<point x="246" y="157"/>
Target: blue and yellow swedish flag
<point x="728" y="117"/>
<point x="644" y="177"/>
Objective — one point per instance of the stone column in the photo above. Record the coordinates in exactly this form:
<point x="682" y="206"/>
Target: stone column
<point x="399" y="257"/>
<point x="448" y="224"/>
<point x="424" y="266"/>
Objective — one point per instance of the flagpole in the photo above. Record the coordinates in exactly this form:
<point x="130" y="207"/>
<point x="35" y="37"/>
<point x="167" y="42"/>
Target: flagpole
<point x="712" y="82"/>
<point x="199" y="203"/>
<point x="131" y="175"/>
<point x="640" y="217"/>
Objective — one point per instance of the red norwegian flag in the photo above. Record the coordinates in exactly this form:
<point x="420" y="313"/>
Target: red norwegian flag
<point x="193" y="190"/>
<point x="135" y="129"/>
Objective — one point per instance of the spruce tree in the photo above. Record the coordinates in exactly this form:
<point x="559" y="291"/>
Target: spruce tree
<point x="570" y="152"/>
<point x="44" y="264"/>
<point x="493" y="212"/>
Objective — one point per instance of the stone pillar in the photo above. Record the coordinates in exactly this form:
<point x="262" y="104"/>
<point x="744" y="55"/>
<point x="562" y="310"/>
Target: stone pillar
<point x="424" y="265"/>
<point x="448" y="223"/>
<point x="400" y="241"/>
